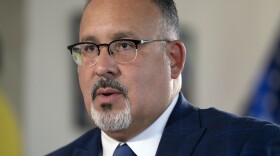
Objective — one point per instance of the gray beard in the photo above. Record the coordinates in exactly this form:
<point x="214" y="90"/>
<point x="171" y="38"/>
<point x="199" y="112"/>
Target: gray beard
<point x="112" y="121"/>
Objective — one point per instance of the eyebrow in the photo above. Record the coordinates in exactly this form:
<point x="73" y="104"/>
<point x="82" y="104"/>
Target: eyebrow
<point x="124" y="34"/>
<point x="89" y="38"/>
<point x="116" y="36"/>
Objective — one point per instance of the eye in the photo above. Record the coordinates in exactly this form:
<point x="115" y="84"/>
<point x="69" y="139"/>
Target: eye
<point x="124" y="45"/>
<point x="89" y="48"/>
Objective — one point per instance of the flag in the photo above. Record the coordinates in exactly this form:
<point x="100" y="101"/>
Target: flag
<point x="265" y="102"/>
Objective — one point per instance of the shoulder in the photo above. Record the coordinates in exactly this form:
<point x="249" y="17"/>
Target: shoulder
<point x="215" y="118"/>
<point x="79" y="143"/>
<point x="246" y="134"/>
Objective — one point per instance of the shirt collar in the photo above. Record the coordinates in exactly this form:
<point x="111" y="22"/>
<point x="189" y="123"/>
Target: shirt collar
<point x="148" y="139"/>
<point x="108" y="144"/>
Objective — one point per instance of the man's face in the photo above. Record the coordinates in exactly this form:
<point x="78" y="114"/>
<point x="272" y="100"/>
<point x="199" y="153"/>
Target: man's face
<point x="146" y="80"/>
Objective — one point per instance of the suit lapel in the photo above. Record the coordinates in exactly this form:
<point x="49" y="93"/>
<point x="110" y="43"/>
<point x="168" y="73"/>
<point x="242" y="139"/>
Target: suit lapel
<point x="182" y="131"/>
<point x="91" y="148"/>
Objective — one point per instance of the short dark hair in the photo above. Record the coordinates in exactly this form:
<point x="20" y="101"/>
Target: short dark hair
<point x="170" y="17"/>
<point x="170" y="21"/>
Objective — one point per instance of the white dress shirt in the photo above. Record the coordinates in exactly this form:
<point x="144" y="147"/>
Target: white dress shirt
<point x="145" y="143"/>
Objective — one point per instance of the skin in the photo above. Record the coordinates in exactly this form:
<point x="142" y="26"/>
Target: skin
<point x="151" y="80"/>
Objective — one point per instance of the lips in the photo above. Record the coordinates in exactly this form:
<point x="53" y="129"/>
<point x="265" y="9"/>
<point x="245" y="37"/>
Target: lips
<point x="107" y="91"/>
<point x="107" y="95"/>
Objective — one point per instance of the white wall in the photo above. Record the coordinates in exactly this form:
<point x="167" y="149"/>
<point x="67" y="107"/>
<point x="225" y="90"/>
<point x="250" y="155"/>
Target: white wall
<point x="232" y="40"/>
<point x="46" y="91"/>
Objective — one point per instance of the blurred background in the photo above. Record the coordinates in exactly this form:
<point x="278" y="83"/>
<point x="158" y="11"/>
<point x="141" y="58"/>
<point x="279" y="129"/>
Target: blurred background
<point x="233" y="61"/>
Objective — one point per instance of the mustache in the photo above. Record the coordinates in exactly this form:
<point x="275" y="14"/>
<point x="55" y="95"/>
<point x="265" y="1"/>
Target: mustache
<point x="106" y="83"/>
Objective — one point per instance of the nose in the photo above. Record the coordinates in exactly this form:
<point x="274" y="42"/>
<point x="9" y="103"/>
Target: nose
<point x="106" y="66"/>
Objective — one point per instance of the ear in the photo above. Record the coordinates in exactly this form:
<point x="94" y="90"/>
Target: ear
<point x="177" y="54"/>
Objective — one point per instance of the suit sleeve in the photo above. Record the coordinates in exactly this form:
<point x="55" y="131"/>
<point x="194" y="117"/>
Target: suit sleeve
<point x="265" y="141"/>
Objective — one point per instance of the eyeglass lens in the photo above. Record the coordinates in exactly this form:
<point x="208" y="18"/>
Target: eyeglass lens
<point x="123" y="51"/>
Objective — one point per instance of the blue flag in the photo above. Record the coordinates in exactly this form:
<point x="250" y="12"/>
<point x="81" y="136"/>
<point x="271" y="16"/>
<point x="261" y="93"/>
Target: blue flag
<point x="265" y="102"/>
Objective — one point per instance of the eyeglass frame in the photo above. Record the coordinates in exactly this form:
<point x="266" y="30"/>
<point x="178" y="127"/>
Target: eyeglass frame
<point x="136" y="42"/>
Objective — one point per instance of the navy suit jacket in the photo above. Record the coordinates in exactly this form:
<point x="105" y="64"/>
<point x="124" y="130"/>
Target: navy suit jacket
<point x="198" y="132"/>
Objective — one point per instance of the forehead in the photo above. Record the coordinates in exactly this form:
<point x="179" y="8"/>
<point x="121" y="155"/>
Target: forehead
<point x="136" y="18"/>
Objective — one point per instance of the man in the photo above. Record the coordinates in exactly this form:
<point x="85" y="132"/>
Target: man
<point x="129" y="65"/>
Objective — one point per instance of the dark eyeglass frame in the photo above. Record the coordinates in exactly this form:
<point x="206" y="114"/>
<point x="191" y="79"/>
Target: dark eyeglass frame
<point x="110" y="52"/>
<point x="136" y="42"/>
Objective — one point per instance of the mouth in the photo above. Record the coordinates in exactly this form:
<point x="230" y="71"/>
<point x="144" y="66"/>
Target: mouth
<point x="108" y="95"/>
<point x="107" y="92"/>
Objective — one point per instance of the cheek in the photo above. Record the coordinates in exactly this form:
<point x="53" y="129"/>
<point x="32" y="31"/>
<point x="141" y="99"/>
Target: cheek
<point x="148" y="83"/>
<point x="148" y="95"/>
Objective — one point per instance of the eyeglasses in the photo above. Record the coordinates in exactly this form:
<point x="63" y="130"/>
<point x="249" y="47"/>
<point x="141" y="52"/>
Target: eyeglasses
<point x="123" y="51"/>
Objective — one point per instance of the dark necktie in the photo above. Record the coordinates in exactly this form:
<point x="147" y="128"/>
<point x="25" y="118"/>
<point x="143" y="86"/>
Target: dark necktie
<point x="123" y="150"/>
